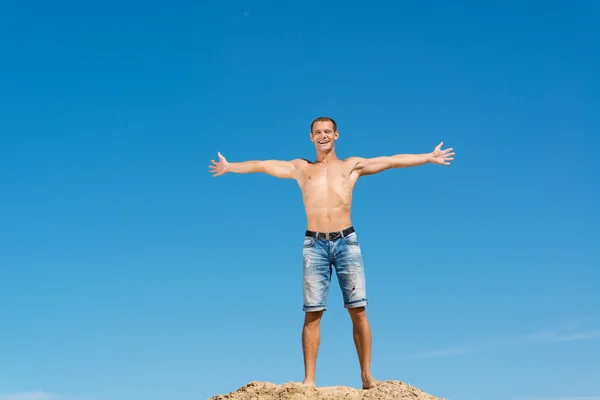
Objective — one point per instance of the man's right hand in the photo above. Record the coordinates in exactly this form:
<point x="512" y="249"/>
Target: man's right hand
<point x="219" y="168"/>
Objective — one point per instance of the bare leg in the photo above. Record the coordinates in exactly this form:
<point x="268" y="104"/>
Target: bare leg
<point x="311" y="338"/>
<point x="362" y="340"/>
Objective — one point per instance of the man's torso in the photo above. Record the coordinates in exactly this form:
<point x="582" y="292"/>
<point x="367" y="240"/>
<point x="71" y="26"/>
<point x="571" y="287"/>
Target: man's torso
<point x="327" y="193"/>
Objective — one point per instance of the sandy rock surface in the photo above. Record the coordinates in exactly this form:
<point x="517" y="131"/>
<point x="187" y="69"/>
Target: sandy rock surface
<point x="388" y="390"/>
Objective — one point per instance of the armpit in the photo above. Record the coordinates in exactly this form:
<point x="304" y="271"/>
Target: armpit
<point x="356" y="162"/>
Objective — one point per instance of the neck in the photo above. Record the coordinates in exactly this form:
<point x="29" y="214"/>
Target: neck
<point x="327" y="157"/>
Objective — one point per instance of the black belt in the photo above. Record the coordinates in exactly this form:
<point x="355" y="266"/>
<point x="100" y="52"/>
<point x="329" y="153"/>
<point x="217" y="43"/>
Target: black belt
<point x="330" y="235"/>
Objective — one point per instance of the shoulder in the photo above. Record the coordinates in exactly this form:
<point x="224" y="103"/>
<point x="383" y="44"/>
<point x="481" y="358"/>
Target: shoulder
<point x="300" y="162"/>
<point x="354" y="161"/>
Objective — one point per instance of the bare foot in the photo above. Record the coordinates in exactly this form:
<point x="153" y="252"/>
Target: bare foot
<point x="368" y="382"/>
<point x="309" y="382"/>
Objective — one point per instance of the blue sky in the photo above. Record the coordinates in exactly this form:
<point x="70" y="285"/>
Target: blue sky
<point x="129" y="272"/>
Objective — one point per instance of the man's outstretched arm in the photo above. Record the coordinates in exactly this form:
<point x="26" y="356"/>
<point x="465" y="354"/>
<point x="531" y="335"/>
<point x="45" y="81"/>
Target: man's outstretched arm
<point x="276" y="168"/>
<point x="370" y="166"/>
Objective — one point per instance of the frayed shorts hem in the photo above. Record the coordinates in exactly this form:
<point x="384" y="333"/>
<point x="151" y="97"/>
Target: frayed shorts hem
<point x="314" y="308"/>
<point x="355" y="304"/>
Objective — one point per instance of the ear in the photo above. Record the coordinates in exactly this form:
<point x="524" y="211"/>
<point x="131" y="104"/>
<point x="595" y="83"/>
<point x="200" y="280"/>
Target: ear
<point x="336" y="135"/>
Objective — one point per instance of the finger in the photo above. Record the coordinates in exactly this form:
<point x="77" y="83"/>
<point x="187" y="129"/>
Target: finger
<point x="449" y="159"/>
<point x="450" y="154"/>
<point x="439" y="145"/>
<point x="220" y="155"/>
<point x="448" y="150"/>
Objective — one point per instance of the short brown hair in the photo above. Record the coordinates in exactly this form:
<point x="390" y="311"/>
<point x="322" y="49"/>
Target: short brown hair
<point x="323" y="119"/>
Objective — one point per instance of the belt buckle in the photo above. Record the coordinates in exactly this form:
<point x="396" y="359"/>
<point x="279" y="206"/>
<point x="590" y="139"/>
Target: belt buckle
<point x="327" y="237"/>
<point x="333" y="235"/>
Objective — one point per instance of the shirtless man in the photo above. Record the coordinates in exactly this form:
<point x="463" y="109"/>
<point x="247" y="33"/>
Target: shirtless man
<point x="330" y="239"/>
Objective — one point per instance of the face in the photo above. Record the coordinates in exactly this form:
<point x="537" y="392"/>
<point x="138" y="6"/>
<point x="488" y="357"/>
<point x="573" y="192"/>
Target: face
<point x="323" y="135"/>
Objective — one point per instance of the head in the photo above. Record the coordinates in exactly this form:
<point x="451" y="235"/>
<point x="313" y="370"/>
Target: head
<point x="324" y="133"/>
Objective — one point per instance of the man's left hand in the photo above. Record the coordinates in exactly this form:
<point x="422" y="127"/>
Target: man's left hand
<point x="442" y="157"/>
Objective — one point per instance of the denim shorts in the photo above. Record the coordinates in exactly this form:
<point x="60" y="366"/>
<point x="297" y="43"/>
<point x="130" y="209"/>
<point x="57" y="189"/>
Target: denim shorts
<point x="321" y="255"/>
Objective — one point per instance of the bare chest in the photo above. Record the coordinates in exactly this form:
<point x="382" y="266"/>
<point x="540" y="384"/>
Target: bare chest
<point x="327" y="178"/>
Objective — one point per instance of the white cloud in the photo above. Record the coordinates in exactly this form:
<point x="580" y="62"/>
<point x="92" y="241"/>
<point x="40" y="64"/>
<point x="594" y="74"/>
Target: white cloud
<point x="39" y="395"/>
<point x="28" y="396"/>
<point x="544" y="337"/>
<point x="554" y="337"/>
<point x="453" y="351"/>
<point x="558" y="398"/>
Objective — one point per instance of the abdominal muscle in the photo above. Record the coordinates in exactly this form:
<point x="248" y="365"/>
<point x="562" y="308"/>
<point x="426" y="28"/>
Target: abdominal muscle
<point x="328" y="219"/>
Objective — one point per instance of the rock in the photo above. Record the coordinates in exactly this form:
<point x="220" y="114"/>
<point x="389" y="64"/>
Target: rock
<point x="388" y="390"/>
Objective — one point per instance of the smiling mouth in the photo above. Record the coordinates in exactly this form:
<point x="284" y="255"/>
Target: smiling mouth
<point x="324" y="142"/>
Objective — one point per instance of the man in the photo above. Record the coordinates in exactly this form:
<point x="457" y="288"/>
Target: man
<point x="330" y="240"/>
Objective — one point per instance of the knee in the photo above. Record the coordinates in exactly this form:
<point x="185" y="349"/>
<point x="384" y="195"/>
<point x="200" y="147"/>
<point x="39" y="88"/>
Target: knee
<point x="358" y="313"/>
<point x="312" y="318"/>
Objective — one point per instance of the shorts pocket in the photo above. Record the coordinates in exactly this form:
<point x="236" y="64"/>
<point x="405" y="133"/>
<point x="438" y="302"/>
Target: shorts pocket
<point x="351" y="239"/>
<point x="308" y="242"/>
